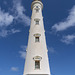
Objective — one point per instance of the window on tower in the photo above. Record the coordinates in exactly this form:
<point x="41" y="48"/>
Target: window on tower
<point x="37" y="64"/>
<point x="37" y="60"/>
<point x="37" y="9"/>
<point x="37" y="39"/>
<point x="37" y="21"/>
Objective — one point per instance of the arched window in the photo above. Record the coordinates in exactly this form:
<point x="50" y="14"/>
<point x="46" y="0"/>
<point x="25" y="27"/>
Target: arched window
<point x="36" y="21"/>
<point x="37" y="64"/>
<point x="37" y="60"/>
<point x="37" y="37"/>
<point x="37" y="9"/>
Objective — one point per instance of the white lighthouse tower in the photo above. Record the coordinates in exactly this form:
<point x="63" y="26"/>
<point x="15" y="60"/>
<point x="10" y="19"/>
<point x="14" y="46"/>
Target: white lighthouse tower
<point x="36" y="62"/>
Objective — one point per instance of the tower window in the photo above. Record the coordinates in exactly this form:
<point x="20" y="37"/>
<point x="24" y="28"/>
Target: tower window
<point x="37" y="22"/>
<point x="37" y="10"/>
<point x="36" y="6"/>
<point x="37" y="60"/>
<point x="36" y="39"/>
<point x="37" y="64"/>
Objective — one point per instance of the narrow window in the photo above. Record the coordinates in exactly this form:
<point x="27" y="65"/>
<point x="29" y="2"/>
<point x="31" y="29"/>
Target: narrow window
<point x="37" y="64"/>
<point x="37" y="22"/>
<point x="37" y="10"/>
<point x="36" y="39"/>
<point x="37" y="7"/>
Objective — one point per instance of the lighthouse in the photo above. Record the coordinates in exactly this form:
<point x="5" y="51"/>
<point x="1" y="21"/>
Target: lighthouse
<point x="36" y="62"/>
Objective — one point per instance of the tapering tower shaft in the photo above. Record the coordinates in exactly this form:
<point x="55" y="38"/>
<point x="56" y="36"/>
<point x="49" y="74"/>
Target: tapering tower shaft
<point x="36" y="62"/>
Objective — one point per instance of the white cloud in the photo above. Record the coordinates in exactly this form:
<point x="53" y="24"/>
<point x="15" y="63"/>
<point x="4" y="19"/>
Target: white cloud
<point x="20" y="12"/>
<point x="5" y="18"/>
<point x="4" y="32"/>
<point x="23" y="52"/>
<point x="51" y="50"/>
<point x="5" y="2"/>
<point x="5" y="21"/>
<point x="14" y="31"/>
<point x="24" y="48"/>
<point x="14" y="68"/>
<point x="68" y="39"/>
<point x="69" y="22"/>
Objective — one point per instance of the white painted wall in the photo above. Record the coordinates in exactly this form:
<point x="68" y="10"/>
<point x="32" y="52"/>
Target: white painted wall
<point x="38" y="48"/>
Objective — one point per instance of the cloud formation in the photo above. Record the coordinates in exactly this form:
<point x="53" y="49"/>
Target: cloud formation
<point x="14" y="31"/>
<point x="68" y="39"/>
<point x="51" y="50"/>
<point x="23" y="52"/>
<point x="5" y="18"/>
<point x="20" y="12"/>
<point x="4" y="32"/>
<point x="69" y="22"/>
<point x="14" y="68"/>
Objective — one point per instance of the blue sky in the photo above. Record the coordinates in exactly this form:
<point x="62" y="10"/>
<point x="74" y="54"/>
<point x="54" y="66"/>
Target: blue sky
<point x="59" y="23"/>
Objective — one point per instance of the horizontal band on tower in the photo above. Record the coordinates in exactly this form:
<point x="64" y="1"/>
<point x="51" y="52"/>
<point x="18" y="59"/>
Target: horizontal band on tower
<point x="35" y="2"/>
